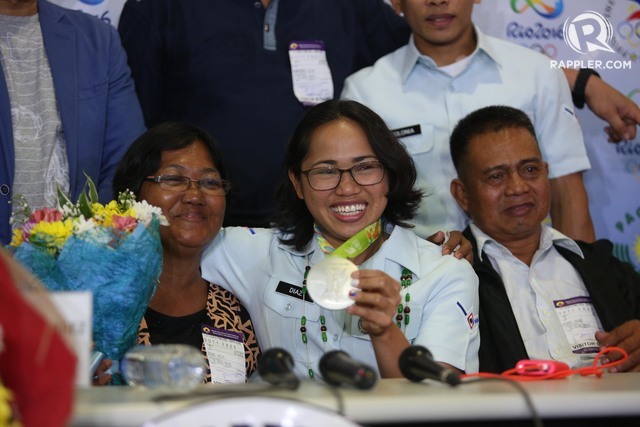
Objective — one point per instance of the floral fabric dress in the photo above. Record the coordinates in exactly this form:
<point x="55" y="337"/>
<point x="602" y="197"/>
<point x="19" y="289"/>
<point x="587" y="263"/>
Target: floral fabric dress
<point x="223" y="311"/>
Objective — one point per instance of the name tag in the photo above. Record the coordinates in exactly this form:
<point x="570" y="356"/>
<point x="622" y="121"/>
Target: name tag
<point x="579" y="322"/>
<point x="407" y="131"/>
<point x="225" y="352"/>
<point x="312" y="82"/>
<point x="292" y="291"/>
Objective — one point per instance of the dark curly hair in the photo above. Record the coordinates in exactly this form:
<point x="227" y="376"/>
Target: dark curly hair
<point x="292" y="216"/>
<point x="143" y="157"/>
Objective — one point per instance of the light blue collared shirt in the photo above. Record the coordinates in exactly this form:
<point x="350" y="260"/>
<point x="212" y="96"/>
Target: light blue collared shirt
<point x="260" y="271"/>
<point x="407" y="89"/>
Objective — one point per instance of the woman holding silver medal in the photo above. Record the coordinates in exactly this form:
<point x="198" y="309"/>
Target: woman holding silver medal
<point x="349" y="195"/>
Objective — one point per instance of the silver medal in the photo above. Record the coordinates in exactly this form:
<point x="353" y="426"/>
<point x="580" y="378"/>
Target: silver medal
<point x="329" y="282"/>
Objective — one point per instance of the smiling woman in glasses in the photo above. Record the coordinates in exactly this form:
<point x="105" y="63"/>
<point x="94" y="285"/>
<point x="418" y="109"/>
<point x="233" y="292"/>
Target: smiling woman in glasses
<point x="328" y="177"/>
<point x="349" y="192"/>
<point x="208" y="185"/>
<point x="178" y="167"/>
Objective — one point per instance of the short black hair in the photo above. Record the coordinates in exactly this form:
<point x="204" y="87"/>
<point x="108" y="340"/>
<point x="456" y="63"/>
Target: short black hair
<point x="143" y="157"/>
<point x="292" y="215"/>
<point x="488" y="119"/>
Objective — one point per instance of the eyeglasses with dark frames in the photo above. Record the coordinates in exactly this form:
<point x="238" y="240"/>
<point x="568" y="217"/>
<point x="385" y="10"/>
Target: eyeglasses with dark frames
<point x="328" y="177"/>
<point x="211" y="186"/>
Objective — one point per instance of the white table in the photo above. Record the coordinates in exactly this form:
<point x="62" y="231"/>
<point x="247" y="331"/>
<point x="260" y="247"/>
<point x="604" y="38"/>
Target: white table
<point x="391" y="401"/>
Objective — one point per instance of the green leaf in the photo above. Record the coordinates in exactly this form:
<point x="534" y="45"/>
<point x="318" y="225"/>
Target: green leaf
<point x="63" y="200"/>
<point x="85" y="205"/>
<point x="93" y="192"/>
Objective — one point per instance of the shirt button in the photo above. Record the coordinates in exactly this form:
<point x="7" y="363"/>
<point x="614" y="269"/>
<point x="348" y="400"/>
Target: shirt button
<point x="266" y="28"/>
<point x="4" y="189"/>
<point x="288" y="307"/>
<point x="335" y="337"/>
<point x="257" y="5"/>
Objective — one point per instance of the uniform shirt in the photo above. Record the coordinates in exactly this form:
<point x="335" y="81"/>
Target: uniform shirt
<point x="409" y="91"/>
<point x="224" y="65"/>
<point x="549" y="299"/>
<point x="266" y="277"/>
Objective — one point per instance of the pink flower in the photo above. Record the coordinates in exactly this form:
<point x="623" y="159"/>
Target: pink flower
<point x="26" y="229"/>
<point x="45" y="214"/>
<point x="124" y="223"/>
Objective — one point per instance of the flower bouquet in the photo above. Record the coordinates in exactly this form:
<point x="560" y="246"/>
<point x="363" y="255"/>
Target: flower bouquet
<point x="112" y="250"/>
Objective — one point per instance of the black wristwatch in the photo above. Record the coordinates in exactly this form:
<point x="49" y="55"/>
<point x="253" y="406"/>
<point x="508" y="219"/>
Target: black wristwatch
<point x="577" y="94"/>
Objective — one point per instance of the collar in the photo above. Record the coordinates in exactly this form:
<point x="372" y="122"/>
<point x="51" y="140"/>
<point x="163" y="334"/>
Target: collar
<point x="412" y="56"/>
<point x="549" y="237"/>
<point x="400" y="248"/>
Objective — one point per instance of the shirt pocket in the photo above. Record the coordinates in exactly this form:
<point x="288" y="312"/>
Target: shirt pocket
<point x="416" y="138"/>
<point x="283" y="315"/>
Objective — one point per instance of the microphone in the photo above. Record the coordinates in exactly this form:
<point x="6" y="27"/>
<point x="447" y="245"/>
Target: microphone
<point x="337" y="368"/>
<point x="275" y="366"/>
<point x="416" y="364"/>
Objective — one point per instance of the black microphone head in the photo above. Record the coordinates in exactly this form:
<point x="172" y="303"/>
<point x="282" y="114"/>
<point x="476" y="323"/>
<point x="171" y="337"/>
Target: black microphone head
<point x="338" y="368"/>
<point x="416" y="363"/>
<point x="407" y="361"/>
<point x="275" y="366"/>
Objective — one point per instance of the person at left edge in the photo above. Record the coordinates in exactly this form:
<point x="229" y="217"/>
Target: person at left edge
<point x="348" y="175"/>
<point x="68" y="105"/>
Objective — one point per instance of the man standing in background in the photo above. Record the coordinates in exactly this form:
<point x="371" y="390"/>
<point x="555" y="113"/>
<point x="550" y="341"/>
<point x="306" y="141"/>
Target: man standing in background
<point x="449" y="68"/>
<point x="247" y="71"/>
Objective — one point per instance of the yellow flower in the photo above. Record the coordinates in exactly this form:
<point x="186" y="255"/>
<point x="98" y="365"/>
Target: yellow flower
<point x="51" y="235"/>
<point x="104" y="214"/>
<point x="129" y="212"/>
<point x="6" y="408"/>
<point x="17" y="238"/>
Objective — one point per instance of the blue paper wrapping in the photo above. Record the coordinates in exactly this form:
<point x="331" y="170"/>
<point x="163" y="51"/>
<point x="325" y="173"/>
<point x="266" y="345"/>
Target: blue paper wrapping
<point x="122" y="279"/>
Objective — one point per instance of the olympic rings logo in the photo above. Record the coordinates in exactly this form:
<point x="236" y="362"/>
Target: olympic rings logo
<point x="541" y="7"/>
<point x="549" y="50"/>
<point x="630" y="31"/>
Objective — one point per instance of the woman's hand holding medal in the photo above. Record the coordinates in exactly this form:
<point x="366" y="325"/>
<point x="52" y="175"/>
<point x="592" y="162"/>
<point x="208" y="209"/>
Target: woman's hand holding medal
<point x="376" y="301"/>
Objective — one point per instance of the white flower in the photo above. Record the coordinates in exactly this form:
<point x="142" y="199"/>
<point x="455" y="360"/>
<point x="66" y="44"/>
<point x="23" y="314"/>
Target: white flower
<point x="144" y="212"/>
<point x="70" y="211"/>
<point x="80" y="225"/>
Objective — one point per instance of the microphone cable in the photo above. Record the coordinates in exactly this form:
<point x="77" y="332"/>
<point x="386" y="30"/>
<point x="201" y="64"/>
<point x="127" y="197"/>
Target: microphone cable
<point x="475" y="378"/>
<point x="516" y="375"/>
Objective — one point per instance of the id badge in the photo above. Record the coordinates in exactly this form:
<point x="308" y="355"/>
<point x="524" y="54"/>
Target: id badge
<point x="312" y="82"/>
<point x="579" y="322"/>
<point x="225" y="352"/>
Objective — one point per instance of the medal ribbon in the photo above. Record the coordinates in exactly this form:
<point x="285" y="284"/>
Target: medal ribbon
<point x="353" y="247"/>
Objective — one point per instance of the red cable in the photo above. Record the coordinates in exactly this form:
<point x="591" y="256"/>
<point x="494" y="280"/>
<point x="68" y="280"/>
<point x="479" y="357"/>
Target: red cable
<point x="595" y="369"/>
